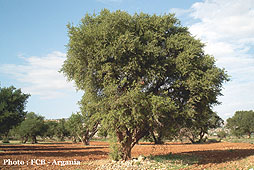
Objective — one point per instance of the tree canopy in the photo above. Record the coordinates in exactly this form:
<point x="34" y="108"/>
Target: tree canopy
<point x="31" y="127"/>
<point x="137" y="70"/>
<point x="197" y="127"/>
<point x="12" y="108"/>
<point x="80" y="128"/>
<point x="61" y="130"/>
<point x="242" y="123"/>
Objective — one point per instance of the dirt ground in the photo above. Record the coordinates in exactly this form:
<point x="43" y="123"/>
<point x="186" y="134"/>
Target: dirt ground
<point x="54" y="156"/>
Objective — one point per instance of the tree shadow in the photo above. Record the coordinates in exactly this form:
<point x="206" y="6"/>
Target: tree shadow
<point x="221" y="156"/>
<point x="57" y="154"/>
<point x="207" y="156"/>
<point x="45" y="148"/>
<point x="51" y="151"/>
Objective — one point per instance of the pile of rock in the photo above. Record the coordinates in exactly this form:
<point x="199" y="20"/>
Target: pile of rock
<point x="139" y="163"/>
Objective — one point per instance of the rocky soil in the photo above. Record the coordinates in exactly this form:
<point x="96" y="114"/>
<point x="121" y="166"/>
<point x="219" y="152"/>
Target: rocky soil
<point x="95" y="156"/>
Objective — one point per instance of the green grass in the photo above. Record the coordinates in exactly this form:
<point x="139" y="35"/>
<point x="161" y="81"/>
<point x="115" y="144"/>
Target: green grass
<point x="100" y="139"/>
<point x="11" y="142"/>
<point x="240" y="140"/>
<point x="246" y="164"/>
<point x="174" y="161"/>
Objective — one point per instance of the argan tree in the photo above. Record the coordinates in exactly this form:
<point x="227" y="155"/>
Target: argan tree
<point x="196" y="128"/>
<point x="61" y="130"/>
<point x="12" y="108"/>
<point x="242" y="123"/>
<point x="80" y="128"/>
<point x="51" y="127"/>
<point x="137" y="70"/>
<point x="31" y="127"/>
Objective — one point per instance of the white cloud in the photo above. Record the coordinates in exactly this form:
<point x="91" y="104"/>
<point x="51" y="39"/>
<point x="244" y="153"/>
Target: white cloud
<point x="227" y="29"/>
<point x="227" y="19"/>
<point x="180" y="12"/>
<point x="40" y="75"/>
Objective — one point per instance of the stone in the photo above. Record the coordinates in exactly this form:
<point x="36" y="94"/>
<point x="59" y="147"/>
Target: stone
<point x="141" y="158"/>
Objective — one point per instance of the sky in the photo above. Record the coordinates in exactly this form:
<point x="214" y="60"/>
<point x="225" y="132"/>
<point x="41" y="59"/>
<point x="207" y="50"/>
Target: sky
<point x="33" y="39"/>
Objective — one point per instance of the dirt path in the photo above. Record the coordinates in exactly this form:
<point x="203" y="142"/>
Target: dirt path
<point x="52" y="156"/>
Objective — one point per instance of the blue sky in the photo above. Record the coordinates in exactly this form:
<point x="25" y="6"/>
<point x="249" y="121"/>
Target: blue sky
<point x="34" y="34"/>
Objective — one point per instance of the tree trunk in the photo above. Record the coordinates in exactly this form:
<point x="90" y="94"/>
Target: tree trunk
<point x="249" y="135"/>
<point x="74" y="140"/>
<point x="25" y="139"/>
<point x="34" y="140"/>
<point x="128" y="139"/>
<point x="154" y="137"/>
<point x="158" y="139"/>
<point x="126" y="147"/>
<point x="6" y="138"/>
<point x="192" y="140"/>
<point x="201" y="135"/>
<point x="86" y="140"/>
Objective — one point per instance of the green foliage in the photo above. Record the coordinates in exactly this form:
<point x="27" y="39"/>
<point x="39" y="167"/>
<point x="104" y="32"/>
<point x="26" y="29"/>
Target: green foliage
<point x="115" y="153"/>
<point x="195" y="129"/>
<point x="242" y="123"/>
<point x="12" y="106"/>
<point x="115" y="148"/>
<point x="32" y="126"/>
<point x="81" y="127"/>
<point x="75" y="124"/>
<point x="50" y="127"/>
<point x="186" y="159"/>
<point x="61" y="129"/>
<point x="5" y="140"/>
<point x="102" y="132"/>
<point x="240" y="140"/>
<point x="175" y="161"/>
<point x="140" y="72"/>
<point x="222" y="134"/>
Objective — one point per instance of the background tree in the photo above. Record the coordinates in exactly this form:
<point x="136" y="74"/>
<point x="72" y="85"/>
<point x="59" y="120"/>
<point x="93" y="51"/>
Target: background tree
<point x="31" y="127"/>
<point x="222" y="134"/>
<point x="61" y="129"/>
<point x="139" y="69"/>
<point x="78" y="127"/>
<point x="50" y="129"/>
<point x="195" y="129"/>
<point x="12" y="108"/>
<point x="242" y="123"/>
<point x="102" y="132"/>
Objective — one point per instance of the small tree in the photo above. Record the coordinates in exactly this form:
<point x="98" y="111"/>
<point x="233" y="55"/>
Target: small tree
<point x="242" y="123"/>
<point x="222" y="134"/>
<point x="102" y="133"/>
<point x="12" y="106"/>
<point x="31" y="127"/>
<point x="78" y="127"/>
<point x="51" y="127"/>
<point x="61" y="129"/>
<point x="196" y="129"/>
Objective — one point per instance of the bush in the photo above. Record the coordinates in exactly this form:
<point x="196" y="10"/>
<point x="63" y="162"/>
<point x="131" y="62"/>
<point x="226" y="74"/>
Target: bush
<point x="6" y="140"/>
<point x="222" y="134"/>
<point x="114" y="153"/>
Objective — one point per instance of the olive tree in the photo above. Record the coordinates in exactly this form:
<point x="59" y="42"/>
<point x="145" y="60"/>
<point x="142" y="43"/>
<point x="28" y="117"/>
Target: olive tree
<point x="137" y="70"/>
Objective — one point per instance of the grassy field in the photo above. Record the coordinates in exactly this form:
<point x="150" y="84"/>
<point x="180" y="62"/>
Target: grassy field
<point x="240" y="140"/>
